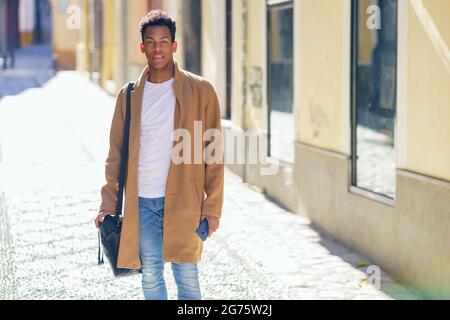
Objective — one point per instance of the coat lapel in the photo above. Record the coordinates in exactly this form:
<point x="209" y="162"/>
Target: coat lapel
<point x="136" y="109"/>
<point x="178" y="88"/>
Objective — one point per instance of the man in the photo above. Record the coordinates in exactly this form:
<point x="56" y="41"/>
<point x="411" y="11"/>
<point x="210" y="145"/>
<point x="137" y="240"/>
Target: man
<point x="165" y="200"/>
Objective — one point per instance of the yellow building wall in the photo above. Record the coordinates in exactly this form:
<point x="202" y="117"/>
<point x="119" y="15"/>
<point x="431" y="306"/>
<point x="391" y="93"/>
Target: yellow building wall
<point x="255" y="117"/>
<point x="82" y="52"/>
<point x="110" y="50"/>
<point x="214" y="47"/>
<point x="64" y="40"/>
<point x="237" y="60"/>
<point x="136" y="10"/>
<point x="174" y="9"/>
<point x="320" y="57"/>
<point x="428" y="89"/>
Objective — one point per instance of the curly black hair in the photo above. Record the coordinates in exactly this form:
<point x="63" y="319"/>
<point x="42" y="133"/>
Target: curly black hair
<point x="157" y="18"/>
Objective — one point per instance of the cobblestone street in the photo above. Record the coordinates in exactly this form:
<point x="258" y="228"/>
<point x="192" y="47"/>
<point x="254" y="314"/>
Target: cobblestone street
<point x="53" y="143"/>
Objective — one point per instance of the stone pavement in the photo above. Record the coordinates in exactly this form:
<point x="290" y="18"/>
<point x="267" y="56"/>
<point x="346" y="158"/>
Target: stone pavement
<point x="53" y="143"/>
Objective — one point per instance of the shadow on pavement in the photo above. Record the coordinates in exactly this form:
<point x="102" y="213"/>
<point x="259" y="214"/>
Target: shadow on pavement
<point x="392" y="287"/>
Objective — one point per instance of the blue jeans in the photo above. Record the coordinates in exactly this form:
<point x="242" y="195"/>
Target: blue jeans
<point x="151" y="214"/>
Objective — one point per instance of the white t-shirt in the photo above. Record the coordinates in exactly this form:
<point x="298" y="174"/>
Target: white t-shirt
<point x="155" y="150"/>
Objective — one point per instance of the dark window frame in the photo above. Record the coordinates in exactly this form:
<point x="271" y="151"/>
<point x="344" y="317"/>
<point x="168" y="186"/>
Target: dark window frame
<point x="229" y="57"/>
<point x="354" y="48"/>
<point x="353" y="80"/>
<point x="288" y="4"/>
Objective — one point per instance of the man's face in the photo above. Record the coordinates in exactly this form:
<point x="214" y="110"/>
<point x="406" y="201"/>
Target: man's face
<point x="158" y="46"/>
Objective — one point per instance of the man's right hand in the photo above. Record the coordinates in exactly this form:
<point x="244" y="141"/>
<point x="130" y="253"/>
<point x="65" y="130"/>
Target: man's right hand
<point x="101" y="216"/>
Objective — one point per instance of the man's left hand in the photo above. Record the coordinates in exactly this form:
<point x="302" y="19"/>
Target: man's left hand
<point x="213" y="223"/>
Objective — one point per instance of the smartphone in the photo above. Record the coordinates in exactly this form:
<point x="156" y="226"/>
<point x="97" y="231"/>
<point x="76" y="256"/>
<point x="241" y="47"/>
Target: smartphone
<point x="203" y="229"/>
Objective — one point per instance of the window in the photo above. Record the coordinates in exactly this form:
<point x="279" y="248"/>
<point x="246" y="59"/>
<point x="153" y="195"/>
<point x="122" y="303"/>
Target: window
<point x="281" y="130"/>
<point x="374" y="66"/>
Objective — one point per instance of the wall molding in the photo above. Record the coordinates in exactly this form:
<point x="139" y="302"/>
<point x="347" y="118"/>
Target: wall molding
<point x="424" y="178"/>
<point x="325" y="152"/>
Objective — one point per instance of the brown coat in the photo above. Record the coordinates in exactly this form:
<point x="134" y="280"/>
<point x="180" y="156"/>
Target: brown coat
<point x="191" y="190"/>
